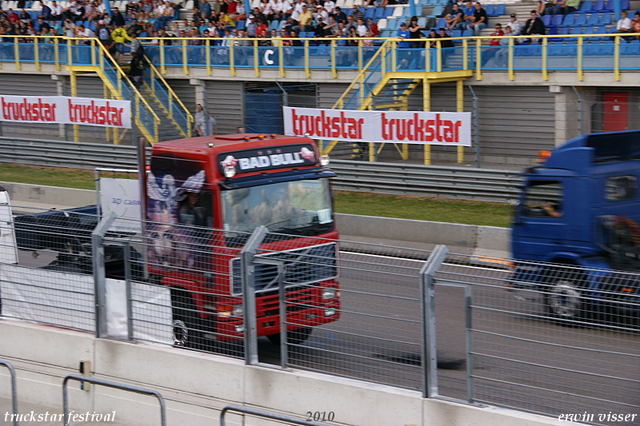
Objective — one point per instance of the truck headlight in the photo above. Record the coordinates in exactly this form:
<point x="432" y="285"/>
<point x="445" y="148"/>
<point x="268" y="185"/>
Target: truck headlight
<point x="329" y="293"/>
<point x="228" y="311"/>
<point x="329" y="312"/>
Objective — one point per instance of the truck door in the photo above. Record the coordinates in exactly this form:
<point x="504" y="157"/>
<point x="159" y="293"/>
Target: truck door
<point x="540" y="221"/>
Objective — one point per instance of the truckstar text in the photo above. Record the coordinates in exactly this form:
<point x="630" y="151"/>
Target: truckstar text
<point x="36" y="110"/>
<point x="94" y="114"/>
<point x="414" y="127"/>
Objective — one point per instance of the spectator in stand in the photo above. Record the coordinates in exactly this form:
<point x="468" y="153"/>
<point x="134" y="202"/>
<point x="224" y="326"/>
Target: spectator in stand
<point x="40" y="25"/>
<point x="330" y="6"/>
<point x="415" y="33"/>
<point x="340" y="15"/>
<point x="261" y="29"/>
<point x="361" y="28"/>
<point x="445" y="39"/>
<point x="331" y="27"/>
<point x="502" y="54"/>
<point x="13" y="17"/>
<point x="56" y="11"/>
<point x="562" y="7"/>
<point x="45" y="12"/>
<point x="350" y="23"/>
<point x="251" y="26"/>
<point x="116" y="18"/>
<point x="467" y="14"/>
<point x="454" y="18"/>
<point x="205" y="125"/>
<point x="318" y="30"/>
<point x="304" y="20"/>
<point x="356" y="13"/>
<point x="635" y="25"/>
<point x="541" y="6"/>
<point x="533" y="26"/>
<point x="403" y="35"/>
<point x="372" y="27"/>
<point x="488" y="54"/>
<point x="119" y="36"/>
<point x="260" y="17"/>
<point x="514" y="25"/>
<point x="479" y="20"/>
<point x="624" y="25"/>
<point x="432" y="37"/>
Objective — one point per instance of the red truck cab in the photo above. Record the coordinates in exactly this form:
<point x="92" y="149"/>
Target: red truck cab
<point x="204" y="198"/>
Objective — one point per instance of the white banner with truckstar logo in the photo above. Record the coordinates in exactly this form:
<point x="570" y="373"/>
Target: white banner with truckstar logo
<point x="416" y="127"/>
<point x="66" y="110"/>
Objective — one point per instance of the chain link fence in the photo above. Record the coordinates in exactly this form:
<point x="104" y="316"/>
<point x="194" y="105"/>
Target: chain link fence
<point x="549" y="339"/>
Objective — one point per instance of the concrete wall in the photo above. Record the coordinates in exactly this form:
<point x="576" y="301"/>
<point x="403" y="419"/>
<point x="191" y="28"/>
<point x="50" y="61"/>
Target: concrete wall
<point x="197" y="386"/>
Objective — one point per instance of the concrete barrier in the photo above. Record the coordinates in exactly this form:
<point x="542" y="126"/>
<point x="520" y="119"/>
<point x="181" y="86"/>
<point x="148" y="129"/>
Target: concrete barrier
<point x="469" y="239"/>
<point x="196" y="386"/>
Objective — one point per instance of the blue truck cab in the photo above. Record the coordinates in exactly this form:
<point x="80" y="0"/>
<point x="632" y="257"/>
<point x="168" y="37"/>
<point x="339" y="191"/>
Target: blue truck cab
<point x="580" y="208"/>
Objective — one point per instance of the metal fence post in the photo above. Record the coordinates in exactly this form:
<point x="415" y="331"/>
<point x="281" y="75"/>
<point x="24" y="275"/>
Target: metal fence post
<point x="428" y="301"/>
<point x="476" y="125"/>
<point x="99" y="274"/>
<point x="127" y="283"/>
<point x="468" y="324"/>
<point x="249" y="295"/>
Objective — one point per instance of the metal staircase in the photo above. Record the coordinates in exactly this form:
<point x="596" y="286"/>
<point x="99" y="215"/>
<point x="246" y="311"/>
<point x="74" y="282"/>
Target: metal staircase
<point x="387" y="80"/>
<point x="157" y="113"/>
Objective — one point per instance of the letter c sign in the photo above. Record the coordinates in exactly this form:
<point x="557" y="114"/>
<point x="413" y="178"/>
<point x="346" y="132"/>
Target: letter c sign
<point x="267" y="57"/>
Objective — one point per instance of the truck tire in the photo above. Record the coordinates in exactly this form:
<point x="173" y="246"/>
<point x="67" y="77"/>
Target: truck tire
<point x="187" y="331"/>
<point x="564" y="295"/>
<point x="295" y="337"/>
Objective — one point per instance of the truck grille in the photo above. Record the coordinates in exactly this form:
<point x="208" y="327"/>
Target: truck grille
<point x="302" y="266"/>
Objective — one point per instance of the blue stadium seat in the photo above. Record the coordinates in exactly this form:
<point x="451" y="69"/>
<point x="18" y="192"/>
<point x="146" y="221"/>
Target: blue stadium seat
<point x="281" y="25"/>
<point x="568" y="21"/>
<point x="563" y="31"/>
<point x="437" y="11"/>
<point x="500" y="10"/>
<point x="581" y="20"/>
<point x="369" y="13"/>
<point x="632" y="48"/>
<point x="273" y="25"/>
<point x="379" y="13"/>
<point x="598" y="6"/>
<point x="388" y="12"/>
<point x="467" y="33"/>
<point x="585" y="6"/>
<point x="392" y="24"/>
<point x="553" y="31"/>
<point x="557" y="20"/>
<point x="546" y="20"/>
<point x="624" y="4"/>
<point x="422" y="21"/>
<point x="574" y="31"/>
<point x="605" y="19"/>
<point x="407" y="12"/>
<point x="593" y="20"/>
<point x="489" y="9"/>
<point x="441" y="23"/>
<point x="601" y="30"/>
<point x="240" y="25"/>
<point x="302" y="34"/>
<point x="609" y="6"/>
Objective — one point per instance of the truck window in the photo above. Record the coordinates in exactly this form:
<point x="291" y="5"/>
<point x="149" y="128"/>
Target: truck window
<point x="543" y="198"/>
<point x="621" y="188"/>
<point x="300" y="207"/>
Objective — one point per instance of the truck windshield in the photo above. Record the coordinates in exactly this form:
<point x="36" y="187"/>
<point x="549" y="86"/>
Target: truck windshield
<point x="298" y="207"/>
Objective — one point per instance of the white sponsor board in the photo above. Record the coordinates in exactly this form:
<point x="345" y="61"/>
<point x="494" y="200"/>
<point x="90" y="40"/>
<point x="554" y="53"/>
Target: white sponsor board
<point x="67" y="110"/>
<point x="415" y="127"/>
<point x="121" y="196"/>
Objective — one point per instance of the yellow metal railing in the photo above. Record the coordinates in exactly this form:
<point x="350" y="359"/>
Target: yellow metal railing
<point x="155" y="75"/>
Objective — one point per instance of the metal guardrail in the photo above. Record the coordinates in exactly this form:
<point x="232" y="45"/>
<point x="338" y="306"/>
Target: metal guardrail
<point x="390" y="178"/>
<point x="143" y="391"/>
<point x="14" y="391"/>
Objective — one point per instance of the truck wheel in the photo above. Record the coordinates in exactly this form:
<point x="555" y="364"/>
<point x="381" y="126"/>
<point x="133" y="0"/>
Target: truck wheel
<point x="564" y="299"/>
<point x="294" y="337"/>
<point x="186" y="323"/>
